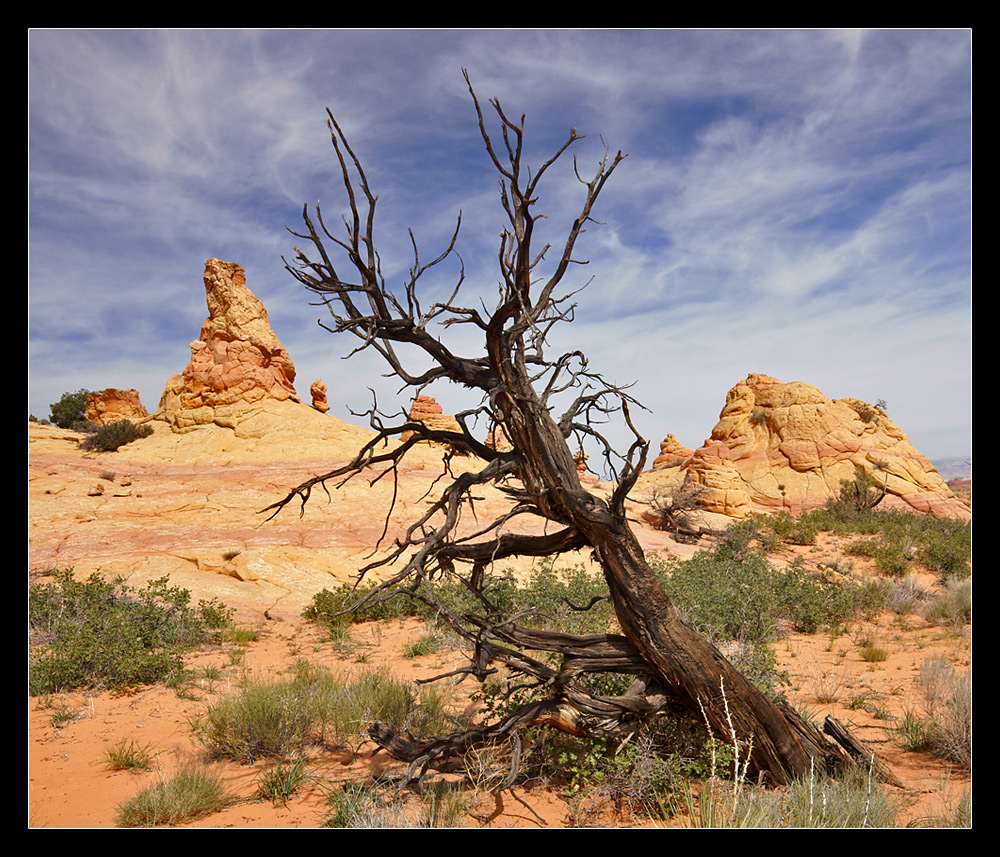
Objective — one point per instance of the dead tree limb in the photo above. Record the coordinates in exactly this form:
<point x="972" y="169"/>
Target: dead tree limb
<point x="675" y="670"/>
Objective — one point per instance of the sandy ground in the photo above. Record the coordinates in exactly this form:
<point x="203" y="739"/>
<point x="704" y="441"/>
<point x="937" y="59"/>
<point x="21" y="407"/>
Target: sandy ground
<point x="189" y="507"/>
<point x="70" y="784"/>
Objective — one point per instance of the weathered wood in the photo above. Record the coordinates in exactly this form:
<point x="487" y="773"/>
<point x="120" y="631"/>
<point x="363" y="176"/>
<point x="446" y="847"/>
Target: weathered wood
<point x="676" y="670"/>
<point x="863" y="755"/>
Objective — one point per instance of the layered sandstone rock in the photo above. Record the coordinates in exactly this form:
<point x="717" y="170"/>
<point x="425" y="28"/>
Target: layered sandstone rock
<point x="427" y="411"/>
<point x="715" y="484"/>
<point x="318" y="393"/>
<point x="237" y="362"/>
<point x="111" y="405"/>
<point x="672" y="454"/>
<point x="791" y="447"/>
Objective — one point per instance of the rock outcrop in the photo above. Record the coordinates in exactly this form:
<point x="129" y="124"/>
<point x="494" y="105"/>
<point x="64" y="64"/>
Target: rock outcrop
<point x="318" y="393"/>
<point x="786" y="447"/>
<point x="427" y="411"/>
<point x="672" y="454"/>
<point x="237" y="362"/>
<point x="111" y="405"/>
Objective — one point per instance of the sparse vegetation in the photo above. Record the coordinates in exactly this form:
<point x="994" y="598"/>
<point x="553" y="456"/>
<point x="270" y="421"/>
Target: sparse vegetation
<point x="359" y="805"/>
<point x="279" y="719"/>
<point x="853" y="801"/>
<point x="895" y="539"/>
<point x="948" y="708"/>
<point x="953" y="607"/>
<point x="190" y="794"/>
<point x="127" y="755"/>
<point x="109" y="437"/>
<point x="278" y="782"/>
<point x="104" y="633"/>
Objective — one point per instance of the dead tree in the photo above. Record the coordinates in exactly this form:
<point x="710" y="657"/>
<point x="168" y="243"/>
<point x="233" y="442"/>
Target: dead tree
<point x="676" y="671"/>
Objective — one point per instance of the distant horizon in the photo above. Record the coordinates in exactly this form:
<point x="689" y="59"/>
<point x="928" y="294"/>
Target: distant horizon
<point x="653" y="442"/>
<point x="795" y="203"/>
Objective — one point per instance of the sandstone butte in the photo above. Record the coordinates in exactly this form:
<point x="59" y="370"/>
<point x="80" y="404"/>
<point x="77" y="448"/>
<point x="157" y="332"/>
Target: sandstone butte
<point x="231" y="437"/>
<point x="108" y="406"/>
<point x="426" y="411"/>
<point x="787" y="447"/>
<point x="236" y="364"/>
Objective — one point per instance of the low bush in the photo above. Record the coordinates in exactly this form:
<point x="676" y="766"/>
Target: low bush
<point x="103" y="633"/>
<point x="740" y="595"/>
<point x="109" y="437"/>
<point x="548" y="599"/>
<point x="189" y="795"/>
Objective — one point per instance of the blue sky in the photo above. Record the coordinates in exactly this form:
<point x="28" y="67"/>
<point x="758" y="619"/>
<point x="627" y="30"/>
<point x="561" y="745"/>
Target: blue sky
<point x="794" y="202"/>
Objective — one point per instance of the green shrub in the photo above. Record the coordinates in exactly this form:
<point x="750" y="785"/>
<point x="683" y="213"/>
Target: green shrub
<point x="946" y="547"/>
<point x="103" y="633"/>
<point x="865" y="491"/>
<point x="548" y="598"/>
<point x="69" y="411"/>
<point x="189" y="795"/>
<point x="644" y="776"/>
<point x="792" y="530"/>
<point x="740" y="595"/>
<point x="109" y="437"/>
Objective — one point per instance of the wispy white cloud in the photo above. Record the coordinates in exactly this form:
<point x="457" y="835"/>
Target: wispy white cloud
<point x="794" y="202"/>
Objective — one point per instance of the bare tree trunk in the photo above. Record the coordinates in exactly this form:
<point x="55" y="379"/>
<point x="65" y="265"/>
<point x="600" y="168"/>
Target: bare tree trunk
<point x="675" y="670"/>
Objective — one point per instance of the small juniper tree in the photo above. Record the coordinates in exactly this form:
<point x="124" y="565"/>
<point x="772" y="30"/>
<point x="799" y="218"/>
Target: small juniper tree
<point x="69" y="411"/>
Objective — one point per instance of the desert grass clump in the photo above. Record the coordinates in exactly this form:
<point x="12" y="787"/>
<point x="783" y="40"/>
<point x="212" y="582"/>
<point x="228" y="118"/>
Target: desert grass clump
<point x="266" y="718"/>
<point x="870" y="648"/>
<point x="854" y="800"/>
<point x="364" y="806"/>
<point x="953" y="607"/>
<point x="280" y="781"/>
<point x="948" y="705"/>
<point x="190" y="794"/>
<point x="429" y="643"/>
<point x="373" y="695"/>
<point x="127" y="755"/>
<point x="279" y="719"/>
